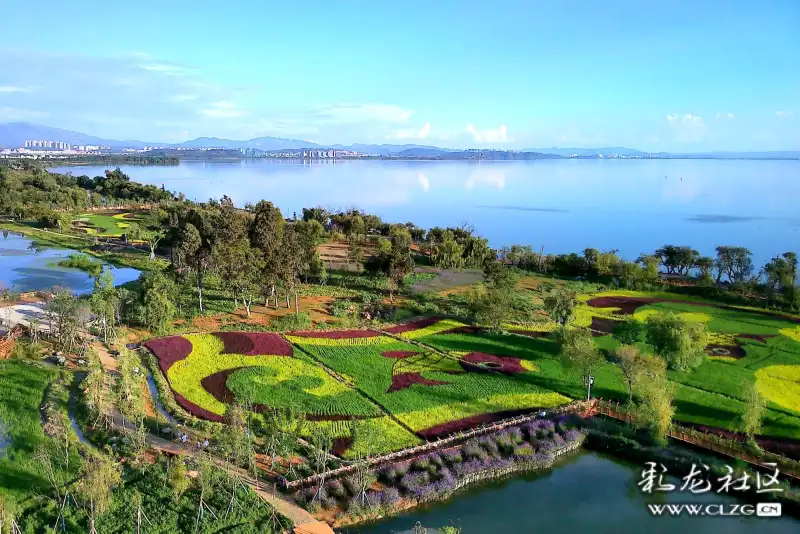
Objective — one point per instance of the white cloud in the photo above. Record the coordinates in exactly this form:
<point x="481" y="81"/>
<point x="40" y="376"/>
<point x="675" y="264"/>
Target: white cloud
<point x="222" y="110"/>
<point x="783" y="113"/>
<point x="730" y="115"/>
<point x="183" y="98"/>
<point x="14" y="89"/>
<point x="346" y="113"/>
<point x="423" y="181"/>
<point x="723" y="116"/>
<point x="166" y="68"/>
<point x="16" y="114"/>
<point x="496" y="135"/>
<point x="411" y="133"/>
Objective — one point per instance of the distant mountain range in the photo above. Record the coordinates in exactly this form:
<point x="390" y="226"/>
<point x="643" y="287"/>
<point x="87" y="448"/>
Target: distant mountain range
<point x="14" y="135"/>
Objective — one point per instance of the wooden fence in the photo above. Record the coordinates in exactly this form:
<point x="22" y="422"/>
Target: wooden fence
<point x="7" y="343"/>
<point x="718" y="444"/>
<point x="579" y="407"/>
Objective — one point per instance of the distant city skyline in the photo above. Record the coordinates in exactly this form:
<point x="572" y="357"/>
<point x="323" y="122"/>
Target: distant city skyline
<point x="677" y="77"/>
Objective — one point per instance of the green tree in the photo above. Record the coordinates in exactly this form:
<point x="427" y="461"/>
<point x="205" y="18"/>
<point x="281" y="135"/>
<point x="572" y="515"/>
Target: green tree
<point x="579" y="351"/>
<point x="448" y="254"/>
<point x="628" y="331"/>
<point x="634" y="364"/>
<point x="735" y="263"/>
<point x="150" y="235"/>
<point x="754" y="408"/>
<point x="317" y="270"/>
<point x="94" y="489"/>
<point x="105" y="302"/>
<point x="678" y="259"/>
<point x="355" y="252"/>
<point x="400" y="265"/>
<point x="682" y="343"/>
<point x="194" y="255"/>
<point x="266" y="235"/>
<point x="178" y="477"/>
<point x="157" y="301"/>
<point x="560" y="305"/>
<point x="654" y="409"/>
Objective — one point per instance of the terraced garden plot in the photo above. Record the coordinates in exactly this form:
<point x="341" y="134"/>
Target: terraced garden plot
<point x="433" y="393"/>
<point x="747" y="346"/>
<point x="395" y="390"/>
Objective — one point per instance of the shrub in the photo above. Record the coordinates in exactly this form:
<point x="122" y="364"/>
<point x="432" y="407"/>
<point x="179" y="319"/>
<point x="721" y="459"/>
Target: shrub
<point x="351" y="485"/>
<point x="420" y="464"/>
<point x="293" y="321"/>
<point x="452" y="458"/>
<point x="336" y="489"/>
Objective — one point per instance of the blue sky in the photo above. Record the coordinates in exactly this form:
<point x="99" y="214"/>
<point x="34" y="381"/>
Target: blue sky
<point x="699" y="75"/>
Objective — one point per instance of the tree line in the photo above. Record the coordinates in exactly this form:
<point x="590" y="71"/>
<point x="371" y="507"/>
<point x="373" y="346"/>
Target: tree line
<point x="730" y="272"/>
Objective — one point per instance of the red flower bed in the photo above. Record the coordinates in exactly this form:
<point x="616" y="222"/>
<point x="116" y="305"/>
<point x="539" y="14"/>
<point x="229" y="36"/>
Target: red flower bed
<point x="399" y="354"/>
<point x="482" y="362"/>
<point x="196" y="410"/>
<point x="169" y="350"/>
<point x="254" y="344"/>
<point x="468" y="422"/>
<point x="406" y="380"/>
<point x="217" y="385"/>
<point x="413" y="325"/>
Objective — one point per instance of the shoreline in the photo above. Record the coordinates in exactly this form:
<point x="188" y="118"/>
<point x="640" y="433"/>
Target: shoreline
<point x="470" y="481"/>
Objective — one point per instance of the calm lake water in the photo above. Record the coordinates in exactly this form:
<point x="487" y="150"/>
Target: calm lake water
<point x="23" y="268"/>
<point x="634" y="206"/>
<point x="588" y="493"/>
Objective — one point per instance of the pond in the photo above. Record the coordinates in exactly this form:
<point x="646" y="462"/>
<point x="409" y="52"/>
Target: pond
<point x="25" y="266"/>
<point x="588" y="492"/>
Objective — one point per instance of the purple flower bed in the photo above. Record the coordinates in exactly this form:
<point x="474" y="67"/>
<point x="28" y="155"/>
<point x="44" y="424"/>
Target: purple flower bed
<point x="254" y="343"/>
<point x="438" y="473"/>
<point x="169" y="350"/>
<point x="335" y="334"/>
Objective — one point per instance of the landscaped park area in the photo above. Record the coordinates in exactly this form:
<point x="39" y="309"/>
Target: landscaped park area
<point x="431" y="377"/>
<point x="111" y="224"/>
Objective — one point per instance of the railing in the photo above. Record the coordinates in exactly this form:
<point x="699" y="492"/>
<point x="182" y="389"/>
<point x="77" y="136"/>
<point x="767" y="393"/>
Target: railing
<point x="574" y="407"/>
<point x="718" y="444"/>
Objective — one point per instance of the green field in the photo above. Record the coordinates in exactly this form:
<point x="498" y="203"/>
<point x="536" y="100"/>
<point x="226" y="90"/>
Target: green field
<point x="22" y="389"/>
<point x="105" y="225"/>
<point x="427" y="380"/>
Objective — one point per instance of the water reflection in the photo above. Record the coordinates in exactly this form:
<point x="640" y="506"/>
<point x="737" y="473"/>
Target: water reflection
<point x="26" y="265"/>
<point x="562" y="205"/>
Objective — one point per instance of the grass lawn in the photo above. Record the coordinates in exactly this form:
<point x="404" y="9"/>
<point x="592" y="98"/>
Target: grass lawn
<point x="106" y="225"/>
<point x="22" y="388"/>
